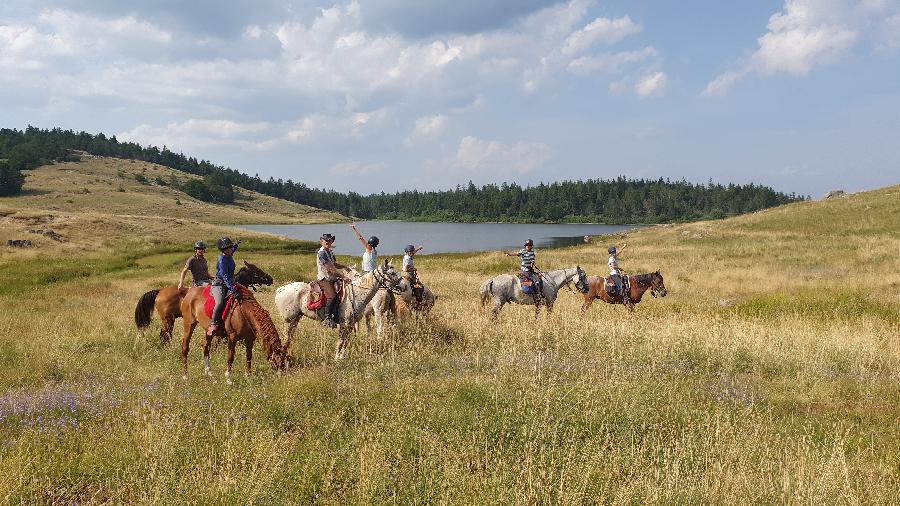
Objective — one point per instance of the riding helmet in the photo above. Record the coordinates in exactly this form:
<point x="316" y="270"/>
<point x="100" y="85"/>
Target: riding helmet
<point x="529" y="242"/>
<point x="409" y="248"/>
<point x="612" y="250"/>
<point x="327" y="238"/>
<point x="199" y="245"/>
<point x="373" y="241"/>
<point x="224" y="243"/>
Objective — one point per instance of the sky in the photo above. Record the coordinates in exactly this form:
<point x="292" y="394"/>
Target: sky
<point x="388" y="95"/>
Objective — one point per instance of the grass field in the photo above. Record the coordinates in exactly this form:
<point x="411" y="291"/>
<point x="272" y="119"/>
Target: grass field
<point x="770" y="374"/>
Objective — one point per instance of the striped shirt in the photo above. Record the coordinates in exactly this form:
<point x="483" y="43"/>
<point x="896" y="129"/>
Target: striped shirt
<point x="527" y="259"/>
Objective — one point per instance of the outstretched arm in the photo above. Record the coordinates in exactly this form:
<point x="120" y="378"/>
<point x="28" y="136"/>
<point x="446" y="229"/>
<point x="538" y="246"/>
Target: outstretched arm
<point x="181" y="279"/>
<point x="360" y="237"/>
<point x="621" y="249"/>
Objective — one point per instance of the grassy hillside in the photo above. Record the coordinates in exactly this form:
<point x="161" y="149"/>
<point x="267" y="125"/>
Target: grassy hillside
<point x="113" y="186"/>
<point x="771" y="373"/>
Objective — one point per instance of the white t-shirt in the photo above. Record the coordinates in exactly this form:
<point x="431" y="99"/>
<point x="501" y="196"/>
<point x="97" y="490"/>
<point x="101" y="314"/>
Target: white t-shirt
<point x="370" y="260"/>
<point x="408" y="262"/>
<point x="613" y="265"/>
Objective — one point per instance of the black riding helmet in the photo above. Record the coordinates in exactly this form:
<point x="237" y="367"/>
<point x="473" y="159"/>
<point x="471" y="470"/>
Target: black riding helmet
<point x="199" y="245"/>
<point x="224" y="243"/>
<point x="327" y="238"/>
<point x="529" y="242"/>
<point x="373" y="241"/>
<point x="612" y="250"/>
<point x="409" y="248"/>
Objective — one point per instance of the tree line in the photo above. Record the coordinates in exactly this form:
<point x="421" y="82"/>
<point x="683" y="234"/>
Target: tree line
<point x="618" y="200"/>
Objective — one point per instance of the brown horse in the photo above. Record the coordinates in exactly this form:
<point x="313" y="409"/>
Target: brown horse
<point x="167" y="301"/>
<point x="246" y="320"/>
<point x="594" y="287"/>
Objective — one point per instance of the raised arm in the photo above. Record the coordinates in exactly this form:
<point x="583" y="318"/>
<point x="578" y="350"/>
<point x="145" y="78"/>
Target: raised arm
<point x="181" y="279"/>
<point x="360" y="237"/>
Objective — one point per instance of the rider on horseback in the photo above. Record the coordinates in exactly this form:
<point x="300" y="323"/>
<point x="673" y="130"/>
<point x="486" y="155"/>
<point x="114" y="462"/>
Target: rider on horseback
<point x="370" y="255"/>
<point x="529" y="270"/>
<point x="615" y="273"/>
<point x="197" y="266"/>
<point x="223" y="285"/>
<point x="327" y="274"/>
<point x="410" y="272"/>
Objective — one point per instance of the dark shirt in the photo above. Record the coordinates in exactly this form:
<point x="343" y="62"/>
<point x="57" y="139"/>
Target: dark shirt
<point x="199" y="269"/>
<point x="225" y="271"/>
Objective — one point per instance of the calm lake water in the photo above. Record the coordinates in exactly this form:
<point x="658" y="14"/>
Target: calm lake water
<point x="443" y="237"/>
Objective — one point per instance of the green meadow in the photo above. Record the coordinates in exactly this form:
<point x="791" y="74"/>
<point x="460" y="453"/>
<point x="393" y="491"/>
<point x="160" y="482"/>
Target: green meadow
<point x="769" y="374"/>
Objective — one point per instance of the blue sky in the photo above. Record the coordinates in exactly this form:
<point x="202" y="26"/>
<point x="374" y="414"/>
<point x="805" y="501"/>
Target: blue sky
<point x="383" y="95"/>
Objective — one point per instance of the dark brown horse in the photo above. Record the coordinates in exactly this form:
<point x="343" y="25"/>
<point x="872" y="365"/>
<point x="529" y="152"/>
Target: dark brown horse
<point x="594" y="287"/>
<point x="167" y="301"/>
<point x="245" y="320"/>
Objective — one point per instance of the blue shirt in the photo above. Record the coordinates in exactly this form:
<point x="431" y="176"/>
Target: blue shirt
<point x="225" y="271"/>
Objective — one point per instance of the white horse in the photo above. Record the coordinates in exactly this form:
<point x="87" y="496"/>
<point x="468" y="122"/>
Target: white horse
<point x="291" y="301"/>
<point x="384" y="305"/>
<point x="507" y="288"/>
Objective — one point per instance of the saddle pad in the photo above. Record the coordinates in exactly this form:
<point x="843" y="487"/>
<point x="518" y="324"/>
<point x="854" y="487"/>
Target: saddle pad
<point x="210" y="303"/>
<point x="316" y="299"/>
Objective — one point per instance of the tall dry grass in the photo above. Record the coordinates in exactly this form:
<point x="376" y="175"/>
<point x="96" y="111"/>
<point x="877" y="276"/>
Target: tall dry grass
<point x="768" y="375"/>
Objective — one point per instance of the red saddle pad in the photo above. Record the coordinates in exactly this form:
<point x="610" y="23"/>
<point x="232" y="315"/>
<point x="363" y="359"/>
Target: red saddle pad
<point x="210" y="303"/>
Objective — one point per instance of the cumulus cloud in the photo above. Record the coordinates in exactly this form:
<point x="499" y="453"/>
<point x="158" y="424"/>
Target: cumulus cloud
<point x="427" y="127"/>
<point x="651" y="85"/>
<point x="610" y="62"/>
<point x="804" y="34"/>
<point x="600" y="30"/>
<point x="482" y="156"/>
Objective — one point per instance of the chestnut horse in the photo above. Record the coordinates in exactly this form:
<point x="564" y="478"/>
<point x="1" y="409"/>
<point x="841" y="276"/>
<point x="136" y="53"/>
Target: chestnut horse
<point x="245" y="320"/>
<point x="594" y="287"/>
<point x="167" y="301"/>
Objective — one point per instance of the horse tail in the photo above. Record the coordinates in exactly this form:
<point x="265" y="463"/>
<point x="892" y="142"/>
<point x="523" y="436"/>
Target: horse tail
<point x="487" y="291"/>
<point x="144" y="310"/>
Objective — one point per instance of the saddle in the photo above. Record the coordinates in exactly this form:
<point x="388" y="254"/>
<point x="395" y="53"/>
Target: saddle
<point x="610" y="285"/>
<point x="209" y="302"/>
<point x="528" y="284"/>
<point x="317" y="300"/>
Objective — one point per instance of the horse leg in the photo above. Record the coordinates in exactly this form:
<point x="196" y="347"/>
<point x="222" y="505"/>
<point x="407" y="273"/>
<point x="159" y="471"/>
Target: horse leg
<point x="379" y="323"/>
<point x="498" y="305"/>
<point x="248" y="344"/>
<point x="289" y="328"/>
<point x="207" y="345"/>
<point x="231" y="345"/>
<point x="588" y="301"/>
<point x="189" y="324"/>
<point x="340" y="346"/>
<point x="165" y="333"/>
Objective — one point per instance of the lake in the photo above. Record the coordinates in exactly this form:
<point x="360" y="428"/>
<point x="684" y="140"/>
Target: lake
<point x="444" y="237"/>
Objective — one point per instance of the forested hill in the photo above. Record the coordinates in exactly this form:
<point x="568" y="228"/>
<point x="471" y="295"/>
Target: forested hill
<point x="610" y="201"/>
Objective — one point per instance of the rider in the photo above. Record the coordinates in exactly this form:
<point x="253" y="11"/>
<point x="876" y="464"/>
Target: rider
<point x="327" y="274"/>
<point x="614" y="271"/>
<point x="223" y="285"/>
<point x="410" y="272"/>
<point x="527" y="255"/>
<point x="197" y="266"/>
<point x="370" y="255"/>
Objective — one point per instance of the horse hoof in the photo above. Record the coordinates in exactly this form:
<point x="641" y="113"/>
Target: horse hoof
<point x="229" y="382"/>
<point x="208" y="372"/>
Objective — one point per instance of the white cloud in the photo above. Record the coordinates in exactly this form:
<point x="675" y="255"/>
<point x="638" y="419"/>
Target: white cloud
<point x="481" y="156"/>
<point x="807" y="33"/>
<point x="609" y="62"/>
<point x="355" y="168"/>
<point x="651" y="85"/>
<point x="600" y="30"/>
<point x="195" y="133"/>
<point x="427" y="127"/>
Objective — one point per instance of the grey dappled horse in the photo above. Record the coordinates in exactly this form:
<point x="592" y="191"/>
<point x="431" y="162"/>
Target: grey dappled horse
<point x="507" y="288"/>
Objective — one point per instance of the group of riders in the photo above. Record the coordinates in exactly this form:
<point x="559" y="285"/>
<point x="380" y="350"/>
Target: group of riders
<point x="530" y="274"/>
<point x="329" y="273"/>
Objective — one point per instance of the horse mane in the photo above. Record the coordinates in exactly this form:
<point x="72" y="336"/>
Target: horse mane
<point x="645" y="279"/>
<point x="262" y="323"/>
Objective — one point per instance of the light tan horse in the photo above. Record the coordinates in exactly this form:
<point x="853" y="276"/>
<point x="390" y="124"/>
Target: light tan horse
<point x="246" y="320"/>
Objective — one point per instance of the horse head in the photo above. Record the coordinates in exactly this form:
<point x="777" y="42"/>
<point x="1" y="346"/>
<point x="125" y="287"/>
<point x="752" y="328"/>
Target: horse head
<point x="388" y="277"/>
<point x="250" y="276"/>
<point x="582" y="283"/>
<point x="657" y="285"/>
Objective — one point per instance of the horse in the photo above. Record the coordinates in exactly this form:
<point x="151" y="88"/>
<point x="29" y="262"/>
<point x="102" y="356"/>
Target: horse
<point x="385" y="304"/>
<point x="291" y="301"/>
<point x="167" y="301"/>
<point x="507" y="288"/>
<point x="245" y="320"/>
<point x="594" y="287"/>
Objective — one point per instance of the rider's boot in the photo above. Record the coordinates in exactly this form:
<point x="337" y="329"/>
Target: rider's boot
<point x="330" y="320"/>
<point x="213" y="328"/>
